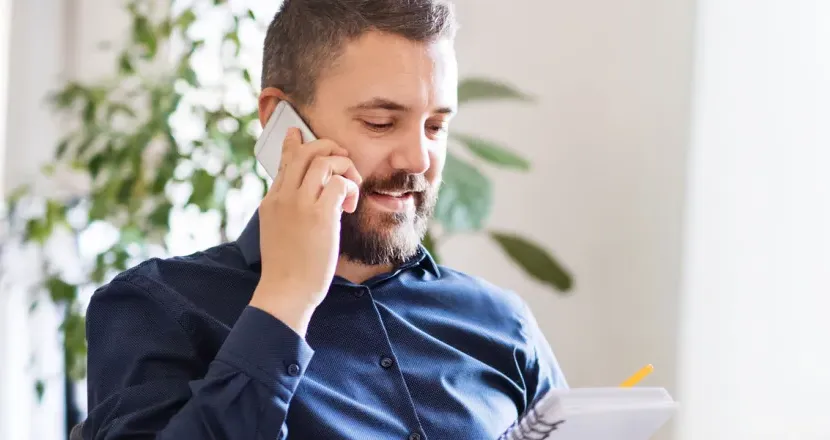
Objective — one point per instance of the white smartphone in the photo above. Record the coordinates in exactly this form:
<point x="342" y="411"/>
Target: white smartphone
<point x="268" y="148"/>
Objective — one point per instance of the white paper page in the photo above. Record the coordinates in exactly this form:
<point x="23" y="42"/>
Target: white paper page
<point x="601" y="414"/>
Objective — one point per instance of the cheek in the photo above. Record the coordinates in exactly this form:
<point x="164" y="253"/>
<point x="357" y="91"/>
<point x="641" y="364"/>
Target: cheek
<point x="437" y="159"/>
<point x="368" y="161"/>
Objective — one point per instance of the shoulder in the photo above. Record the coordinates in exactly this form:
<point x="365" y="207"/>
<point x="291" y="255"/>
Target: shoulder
<point x="174" y="283"/>
<point x="482" y="286"/>
<point x="501" y="305"/>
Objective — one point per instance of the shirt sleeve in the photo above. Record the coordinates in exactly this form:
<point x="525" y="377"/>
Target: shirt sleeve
<point x="542" y="370"/>
<point x="148" y="380"/>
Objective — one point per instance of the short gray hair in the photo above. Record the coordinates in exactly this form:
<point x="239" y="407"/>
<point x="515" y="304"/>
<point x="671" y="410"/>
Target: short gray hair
<point x="306" y="36"/>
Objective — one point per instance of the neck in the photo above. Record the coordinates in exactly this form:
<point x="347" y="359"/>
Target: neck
<point x="358" y="273"/>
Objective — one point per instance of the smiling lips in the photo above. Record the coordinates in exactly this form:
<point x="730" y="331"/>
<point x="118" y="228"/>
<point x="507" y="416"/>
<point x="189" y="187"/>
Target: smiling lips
<point x="393" y="201"/>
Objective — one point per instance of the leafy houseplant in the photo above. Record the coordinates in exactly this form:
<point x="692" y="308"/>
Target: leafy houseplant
<point x="138" y="163"/>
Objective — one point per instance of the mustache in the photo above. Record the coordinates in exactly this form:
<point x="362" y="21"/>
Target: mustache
<point x="398" y="181"/>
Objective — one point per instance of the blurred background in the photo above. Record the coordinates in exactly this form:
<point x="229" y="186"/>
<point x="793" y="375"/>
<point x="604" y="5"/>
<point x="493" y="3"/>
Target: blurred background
<point x="664" y="162"/>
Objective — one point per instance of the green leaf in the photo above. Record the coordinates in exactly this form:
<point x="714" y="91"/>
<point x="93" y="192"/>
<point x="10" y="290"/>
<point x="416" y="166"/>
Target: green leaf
<point x="472" y="89"/>
<point x="143" y="33"/>
<point x="125" y="65"/>
<point x="195" y="45"/>
<point x="40" y="388"/>
<point x="61" y="149"/>
<point x="251" y="14"/>
<point x="238" y="145"/>
<point x="74" y="343"/>
<point x="68" y="95"/>
<point x="534" y="260"/>
<point x="493" y="153"/>
<point x="87" y="142"/>
<point x="121" y="257"/>
<point x="122" y="108"/>
<point x="186" y="18"/>
<point x="188" y="74"/>
<point x="233" y="37"/>
<point x="100" y="270"/>
<point x="465" y="198"/>
<point x="33" y="306"/>
<point x="90" y="109"/>
<point x="202" y="195"/>
<point x="60" y="290"/>
<point x="95" y="164"/>
<point x="55" y="213"/>
<point x="160" y="216"/>
<point x="102" y="205"/>
<point x="37" y="231"/>
<point x="165" y="28"/>
<point x="125" y="190"/>
<point x="14" y="198"/>
<point x="129" y="235"/>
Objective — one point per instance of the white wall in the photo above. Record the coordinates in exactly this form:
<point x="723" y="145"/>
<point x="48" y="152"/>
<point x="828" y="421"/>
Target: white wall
<point x="755" y="311"/>
<point x="607" y="139"/>
<point x="5" y="33"/>
<point x="35" y="63"/>
<point x="50" y="41"/>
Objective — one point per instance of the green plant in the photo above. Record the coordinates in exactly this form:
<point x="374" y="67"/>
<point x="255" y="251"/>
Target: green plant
<point x="136" y="161"/>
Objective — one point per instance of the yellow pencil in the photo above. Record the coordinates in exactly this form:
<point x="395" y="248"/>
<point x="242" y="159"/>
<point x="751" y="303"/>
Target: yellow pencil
<point x="638" y="376"/>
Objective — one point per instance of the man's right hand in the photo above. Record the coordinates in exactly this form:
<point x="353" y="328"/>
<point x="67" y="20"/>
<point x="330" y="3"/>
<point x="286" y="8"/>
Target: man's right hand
<point x="300" y="228"/>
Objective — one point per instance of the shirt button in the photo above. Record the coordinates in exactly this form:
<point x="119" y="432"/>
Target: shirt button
<point x="358" y="293"/>
<point x="294" y="369"/>
<point x="387" y="362"/>
<point x="414" y="436"/>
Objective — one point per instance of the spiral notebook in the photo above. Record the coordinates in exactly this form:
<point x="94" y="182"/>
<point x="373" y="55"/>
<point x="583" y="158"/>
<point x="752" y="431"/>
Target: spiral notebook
<point x="595" y="414"/>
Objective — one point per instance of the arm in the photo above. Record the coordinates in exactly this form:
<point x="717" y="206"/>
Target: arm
<point x="147" y="382"/>
<point x="542" y="371"/>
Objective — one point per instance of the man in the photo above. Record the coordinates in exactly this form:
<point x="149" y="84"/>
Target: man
<point x="326" y="319"/>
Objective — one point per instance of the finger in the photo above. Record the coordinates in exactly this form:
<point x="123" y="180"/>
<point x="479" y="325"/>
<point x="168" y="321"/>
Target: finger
<point x="322" y="169"/>
<point x="340" y="194"/>
<point x="300" y="159"/>
<point x="293" y="139"/>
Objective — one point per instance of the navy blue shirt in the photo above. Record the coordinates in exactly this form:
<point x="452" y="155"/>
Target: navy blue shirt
<point x="424" y="352"/>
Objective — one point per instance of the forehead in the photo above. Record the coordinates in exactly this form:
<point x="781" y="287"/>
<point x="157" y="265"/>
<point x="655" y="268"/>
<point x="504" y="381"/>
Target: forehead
<point x="418" y="75"/>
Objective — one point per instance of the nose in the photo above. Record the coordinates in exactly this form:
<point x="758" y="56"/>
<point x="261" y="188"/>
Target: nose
<point x="413" y="155"/>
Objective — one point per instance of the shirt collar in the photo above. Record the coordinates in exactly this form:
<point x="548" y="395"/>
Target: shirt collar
<point x="248" y="243"/>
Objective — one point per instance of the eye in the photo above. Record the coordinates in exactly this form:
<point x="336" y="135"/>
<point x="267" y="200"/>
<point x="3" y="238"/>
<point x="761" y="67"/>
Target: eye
<point x="436" y="128"/>
<point x="377" y="127"/>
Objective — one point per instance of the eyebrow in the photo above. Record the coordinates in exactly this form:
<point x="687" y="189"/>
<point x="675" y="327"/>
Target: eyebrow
<point x="387" y="104"/>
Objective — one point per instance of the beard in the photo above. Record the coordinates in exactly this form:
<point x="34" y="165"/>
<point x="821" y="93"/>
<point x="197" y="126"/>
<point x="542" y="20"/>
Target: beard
<point x="388" y="238"/>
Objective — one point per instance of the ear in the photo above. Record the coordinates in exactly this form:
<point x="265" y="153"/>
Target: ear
<point x="268" y="100"/>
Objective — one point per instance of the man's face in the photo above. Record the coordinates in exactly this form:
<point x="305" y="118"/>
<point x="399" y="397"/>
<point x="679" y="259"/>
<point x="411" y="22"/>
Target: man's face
<point x="388" y="101"/>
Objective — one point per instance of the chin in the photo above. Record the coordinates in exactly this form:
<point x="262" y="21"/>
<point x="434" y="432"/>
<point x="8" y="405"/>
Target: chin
<point x="380" y="241"/>
<point x="401" y="236"/>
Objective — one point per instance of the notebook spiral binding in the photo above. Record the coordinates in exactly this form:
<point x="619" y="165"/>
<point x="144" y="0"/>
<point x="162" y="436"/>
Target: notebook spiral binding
<point x="536" y="429"/>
